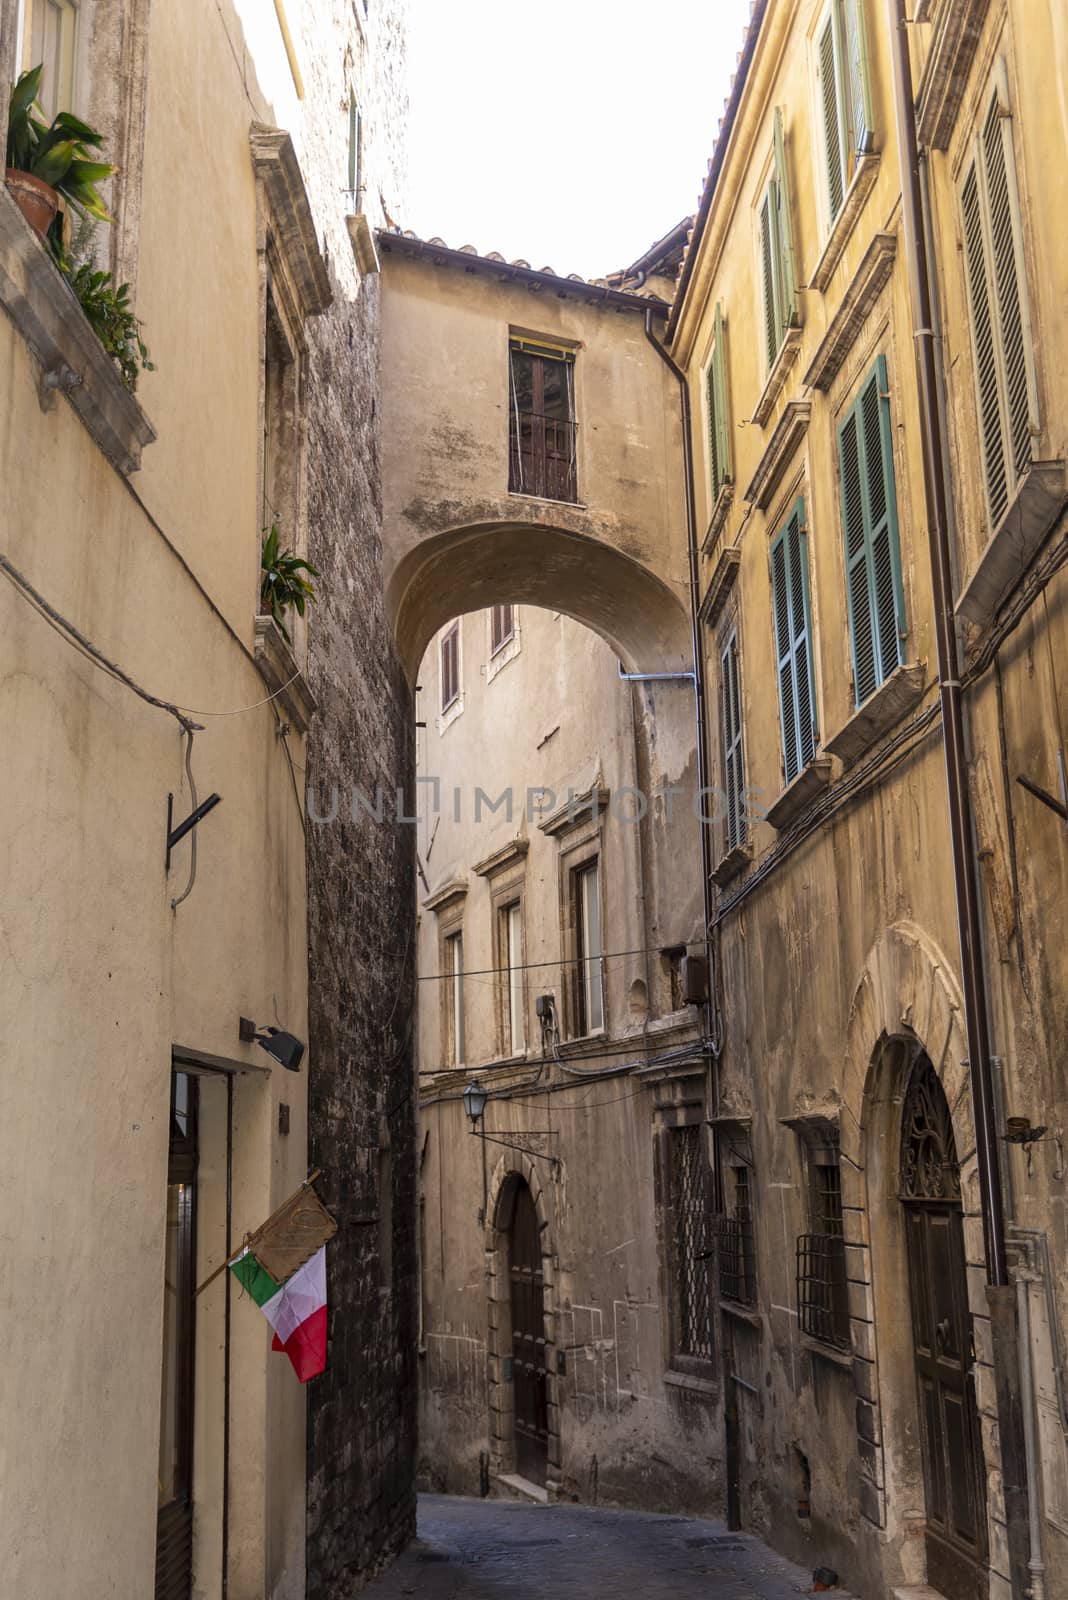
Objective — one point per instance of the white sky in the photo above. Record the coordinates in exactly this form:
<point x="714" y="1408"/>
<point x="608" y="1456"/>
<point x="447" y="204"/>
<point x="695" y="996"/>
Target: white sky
<point x="572" y="133"/>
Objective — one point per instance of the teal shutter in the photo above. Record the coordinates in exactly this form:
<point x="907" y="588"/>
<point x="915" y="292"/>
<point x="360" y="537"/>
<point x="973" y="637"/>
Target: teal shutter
<point x="984" y="348"/>
<point x="731" y="728"/>
<point x="857" y="79"/>
<point x="768" y="252"/>
<point x="1008" y="271"/>
<point x="718" y="433"/>
<point x="787" y="263"/>
<point x="793" y="643"/>
<point x="832" y="122"/>
<point x="869" y="519"/>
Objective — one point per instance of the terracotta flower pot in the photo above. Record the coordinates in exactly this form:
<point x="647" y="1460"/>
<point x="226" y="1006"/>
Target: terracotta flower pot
<point x="37" y="200"/>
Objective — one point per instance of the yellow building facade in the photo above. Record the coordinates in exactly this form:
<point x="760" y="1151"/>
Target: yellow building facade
<point x="860" y="1350"/>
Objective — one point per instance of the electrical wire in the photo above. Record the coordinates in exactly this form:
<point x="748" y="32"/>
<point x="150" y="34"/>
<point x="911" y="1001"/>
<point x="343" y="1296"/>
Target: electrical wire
<point x="193" y="835"/>
<point x="530" y="966"/>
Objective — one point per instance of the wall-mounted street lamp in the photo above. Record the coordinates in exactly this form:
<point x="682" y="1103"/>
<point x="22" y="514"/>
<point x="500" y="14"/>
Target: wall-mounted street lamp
<point x="475" y="1098"/>
<point x="285" y="1048"/>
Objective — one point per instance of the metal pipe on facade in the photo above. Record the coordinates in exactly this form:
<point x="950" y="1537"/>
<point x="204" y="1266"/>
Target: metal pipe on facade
<point x="949" y="684"/>
<point x="1035" y="1565"/>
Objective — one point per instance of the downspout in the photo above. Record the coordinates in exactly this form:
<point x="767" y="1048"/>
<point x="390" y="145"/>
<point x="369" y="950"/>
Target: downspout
<point x="1036" y="1566"/>
<point x="949" y="685"/>
<point x="1000" y="1296"/>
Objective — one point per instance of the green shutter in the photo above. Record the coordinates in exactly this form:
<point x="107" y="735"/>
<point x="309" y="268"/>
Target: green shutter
<point x="772" y="330"/>
<point x="731" y="728"/>
<point x="869" y="520"/>
<point x="984" y="347"/>
<point x="1008" y="272"/>
<point x="857" y="79"/>
<point x="832" y="127"/>
<point x="787" y="265"/>
<point x="793" y="643"/>
<point x="718" y="432"/>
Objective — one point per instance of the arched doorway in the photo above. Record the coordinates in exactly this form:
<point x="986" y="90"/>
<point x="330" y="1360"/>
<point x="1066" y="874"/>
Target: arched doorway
<point x="529" y="1371"/>
<point x="930" y="1191"/>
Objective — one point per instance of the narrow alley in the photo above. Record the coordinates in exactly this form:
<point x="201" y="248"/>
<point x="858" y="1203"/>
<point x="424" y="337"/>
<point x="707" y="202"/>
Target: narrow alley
<point x="488" y="1548"/>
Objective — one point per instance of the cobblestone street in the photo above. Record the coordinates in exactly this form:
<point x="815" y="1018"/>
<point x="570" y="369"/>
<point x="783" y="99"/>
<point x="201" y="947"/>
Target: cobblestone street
<point x="490" y="1548"/>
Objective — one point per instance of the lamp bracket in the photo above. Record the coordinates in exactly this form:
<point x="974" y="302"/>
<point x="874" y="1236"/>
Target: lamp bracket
<point x="176" y="834"/>
<point x="533" y="1143"/>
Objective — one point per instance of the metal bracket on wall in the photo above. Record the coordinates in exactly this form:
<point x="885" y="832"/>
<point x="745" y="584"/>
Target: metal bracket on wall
<point x="1059" y="806"/>
<point x="176" y="834"/>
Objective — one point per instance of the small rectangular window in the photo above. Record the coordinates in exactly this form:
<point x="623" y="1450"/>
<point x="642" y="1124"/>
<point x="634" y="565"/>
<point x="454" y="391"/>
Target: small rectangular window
<point x="690" y="1241"/>
<point x="734" y="1239"/>
<point x="502" y="628"/>
<point x="822" y="1303"/>
<point x="997" y="293"/>
<point x="876" y="599"/>
<point x="736" y="823"/>
<point x="588" y="951"/>
<point x="793" y="643"/>
<point x="454" y="998"/>
<point x="450" y="666"/>
<point x="50" y="38"/>
<point x="511" y="917"/>
<point x="541" y="421"/>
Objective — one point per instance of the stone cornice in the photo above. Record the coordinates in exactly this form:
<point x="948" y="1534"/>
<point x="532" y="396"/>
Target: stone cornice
<point x="957" y="27"/>
<point x="449" y="893"/>
<point x="789" y="431"/>
<point x="855" y="306"/>
<point x="275" y="163"/>
<point x="506" y="856"/>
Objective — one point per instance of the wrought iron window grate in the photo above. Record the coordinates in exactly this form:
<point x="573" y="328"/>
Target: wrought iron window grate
<point x="735" y="1251"/>
<point x="691" y="1243"/>
<point x="822" y="1304"/>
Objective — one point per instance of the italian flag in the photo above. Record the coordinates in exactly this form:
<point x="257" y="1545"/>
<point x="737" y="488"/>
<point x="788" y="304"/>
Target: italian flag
<point x="295" y="1309"/>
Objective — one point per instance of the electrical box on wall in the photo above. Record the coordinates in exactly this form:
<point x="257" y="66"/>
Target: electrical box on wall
<point x="694" y="980"/>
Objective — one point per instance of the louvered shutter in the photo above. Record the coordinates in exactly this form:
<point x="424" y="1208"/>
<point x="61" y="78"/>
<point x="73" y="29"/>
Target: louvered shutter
<point x="718" y="433"/>
<point x="984" y="346"/>
<point x="1008" y="277"/>
<point x="832" y="125"/>
<point x="772" y="330"/>
<point x="793" y="643"/>
<point x="857" y="81"/>
<point x="787" y="263"/>
<point x="731" y="719"/>
<point x="869" y="519"/>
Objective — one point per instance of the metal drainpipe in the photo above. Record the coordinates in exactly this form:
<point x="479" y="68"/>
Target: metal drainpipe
<point x="1035" y="1565"/>
<point x="949" y="685"/>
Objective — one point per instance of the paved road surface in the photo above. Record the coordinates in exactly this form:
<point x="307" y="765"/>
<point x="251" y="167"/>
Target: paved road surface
<point x="484" y="1549"/>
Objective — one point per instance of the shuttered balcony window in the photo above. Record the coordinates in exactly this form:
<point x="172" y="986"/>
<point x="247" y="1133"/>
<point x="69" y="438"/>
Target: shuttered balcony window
<point x="845" y="97"/>
<point x="1006" y="392"/>
<point x="778" y="269"/>
<point x="450" y="667"/>
<point x="793" y="643"/>
<point x="736" y="823"/>
<point x="875" y="593"/>
<point x="719" y="451"/>
<point x="542" y="458"/>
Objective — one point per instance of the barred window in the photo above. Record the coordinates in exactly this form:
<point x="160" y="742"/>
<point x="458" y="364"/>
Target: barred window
<point x="734" y="1240"/>
<point x="822" y="1304"/>
<point x="688" y="1179"/>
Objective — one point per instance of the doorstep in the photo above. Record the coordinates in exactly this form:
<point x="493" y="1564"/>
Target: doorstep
<point x="519" y="1488"/>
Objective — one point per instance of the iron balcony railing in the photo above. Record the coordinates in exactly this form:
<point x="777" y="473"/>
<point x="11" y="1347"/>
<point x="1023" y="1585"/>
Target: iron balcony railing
<point x="542" y="456"/>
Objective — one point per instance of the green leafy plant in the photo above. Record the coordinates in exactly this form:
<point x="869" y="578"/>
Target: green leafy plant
<point x="59" y="155"/>
<point x="107" y="308"/>
<point x="283" y="584"/>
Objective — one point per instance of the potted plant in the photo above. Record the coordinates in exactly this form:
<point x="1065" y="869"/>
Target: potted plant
<point x="107" y="308"/>
<point x="44" y="163"/>
<point x="282" y="583"/>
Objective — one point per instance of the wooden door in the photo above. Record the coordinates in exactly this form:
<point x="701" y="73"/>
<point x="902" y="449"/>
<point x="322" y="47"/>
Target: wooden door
<point x="174" y="1524"/>
<point x="529" y="1377"/>
<point x="949" y="1423"/>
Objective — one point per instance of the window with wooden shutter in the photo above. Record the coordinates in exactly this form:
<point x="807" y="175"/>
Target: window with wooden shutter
<point x="719" y="454"/>
<point x="450" y="667"/>
<point x="502" y="627"/>
<point x="869" y="521"/>
<point x="778" y="268"/>
<point x="845" y="96"/>
<point x="1006" y="392"/>
<point x="736" y="823"/>
<point x="793" y="643"/>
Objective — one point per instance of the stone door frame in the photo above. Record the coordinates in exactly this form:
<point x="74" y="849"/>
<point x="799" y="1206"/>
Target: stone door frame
<point x="907" y="998"/>
<point x="513" y="1168"/>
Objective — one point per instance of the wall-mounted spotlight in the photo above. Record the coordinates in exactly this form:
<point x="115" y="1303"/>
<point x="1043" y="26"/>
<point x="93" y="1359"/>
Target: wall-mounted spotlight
<point x="284" y="1047"/>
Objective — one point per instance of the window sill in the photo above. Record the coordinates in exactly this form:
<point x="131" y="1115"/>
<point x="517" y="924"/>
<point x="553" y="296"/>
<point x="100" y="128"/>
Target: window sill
<point x="45" y="312"/>
<point x="810" y="781"/>
<point x="687" y="1380"/>
<point x="505" y="653"/>
<point x="450" y="714"/>
<point x="785" y="359"/>
<point x="724" y="501"/>
<point x="878" y="714"/>
<point x="734" y="862"/>
<point x="740" y="1313"/>
<point x="546" y="500"/>
<point x="362" y="240"/>
<point x="846" y="220"/>
<point x="831" y="1353"/>
<point x="957" y="27"/>
<point x="277" y="666"/>
<point x="1039" y="499"/>
<point x="789" y="431"/>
